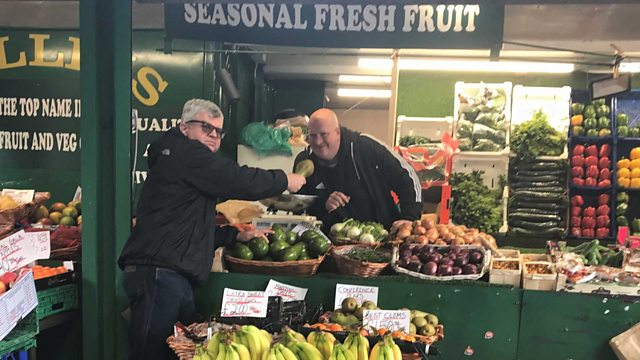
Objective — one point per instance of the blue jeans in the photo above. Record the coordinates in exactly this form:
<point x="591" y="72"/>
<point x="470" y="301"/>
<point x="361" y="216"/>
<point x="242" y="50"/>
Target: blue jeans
<point x="159" y="297"/>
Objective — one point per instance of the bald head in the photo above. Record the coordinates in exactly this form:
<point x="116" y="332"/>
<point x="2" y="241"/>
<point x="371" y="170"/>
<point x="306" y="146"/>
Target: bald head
<point x="325" y="116"/>
<point x="324" y="134"/>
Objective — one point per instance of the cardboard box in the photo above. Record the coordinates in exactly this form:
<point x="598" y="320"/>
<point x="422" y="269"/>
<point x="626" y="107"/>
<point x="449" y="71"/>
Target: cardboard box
<point x="539" y="281"/>
<point x="506" y="276"/>
<point x="626" y="346"/>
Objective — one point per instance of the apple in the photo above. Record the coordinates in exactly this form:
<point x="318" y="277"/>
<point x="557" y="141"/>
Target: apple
<point x="8" y="278"/>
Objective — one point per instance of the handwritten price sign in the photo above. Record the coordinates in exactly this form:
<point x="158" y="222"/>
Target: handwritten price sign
<point x="20" y="196"/>
<point x="388" y="319"/>
<point x="237" y="303"/>
<point x="360" y="293"/>
<point x="22" y="248"/>
<point x="287" y="292"/>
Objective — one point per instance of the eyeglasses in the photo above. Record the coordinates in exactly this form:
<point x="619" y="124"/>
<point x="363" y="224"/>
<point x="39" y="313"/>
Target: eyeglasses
<point x="208" y="128"/>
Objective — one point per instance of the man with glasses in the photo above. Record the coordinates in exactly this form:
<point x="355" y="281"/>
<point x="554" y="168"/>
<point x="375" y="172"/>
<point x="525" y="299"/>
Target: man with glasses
<point x="355" y="174"/>
<point x="172" y="245"/>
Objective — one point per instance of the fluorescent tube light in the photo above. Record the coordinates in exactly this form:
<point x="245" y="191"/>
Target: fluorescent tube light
<point x="347" y="92"/>
<point x="364" y="79"/>
<point x="630" y="67"/>
<point x="469" y="66"/>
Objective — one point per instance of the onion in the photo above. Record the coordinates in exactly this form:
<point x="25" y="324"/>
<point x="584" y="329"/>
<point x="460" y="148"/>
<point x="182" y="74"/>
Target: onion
<point x="432" y="235"/>
<point x="336" y="228"/>
<point x="419" y="230"/>
<point x="428" y="224"/>
<point x="422" y="239"/>
<point x="403" y="233"/>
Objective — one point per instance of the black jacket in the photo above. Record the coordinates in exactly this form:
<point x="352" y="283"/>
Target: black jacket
<point x="367" y="164"/>
<point x="176" y="212"/>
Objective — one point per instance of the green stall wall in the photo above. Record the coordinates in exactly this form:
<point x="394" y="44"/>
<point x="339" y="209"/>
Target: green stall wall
<point x="431" y="94"/>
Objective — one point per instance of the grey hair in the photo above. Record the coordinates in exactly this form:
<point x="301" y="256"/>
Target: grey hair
<point x="195" y="106"/>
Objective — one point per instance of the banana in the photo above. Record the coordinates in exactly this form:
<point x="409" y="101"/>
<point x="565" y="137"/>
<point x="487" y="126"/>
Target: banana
<point x="362" y="352"/>
<point x="256" y="342"/>
<point x="347" y="354"/>
<point x="272" y="355"/>
<point x="375" y="352"/>
<point x="242" y="351"/>
<point x="199" y="352"/>
<point x="214" y="345"/>
<point x="323" y="342"/>
<point x="279" y="355"/>
<point x="286" y="353"/>
<point x="222" y="350"/>
<point x="231" y="353"/>
<point x="267" y="336"/>
<point x="310" y="351"/>
<point x="340" y="354"/>
<point x="395" y="349"/>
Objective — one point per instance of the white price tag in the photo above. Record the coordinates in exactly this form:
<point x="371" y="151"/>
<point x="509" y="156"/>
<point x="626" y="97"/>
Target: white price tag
<point x="241" y="303"/>
<point x="360" y="293"/>
<point x="22" y="248"/>
<point x="19" y="195"/>
<point x="389" y="319"/>
<point x="287" y="292"/>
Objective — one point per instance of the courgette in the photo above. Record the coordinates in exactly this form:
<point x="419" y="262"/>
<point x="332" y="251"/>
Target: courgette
<point x="534" y="225"/>
<point x="533" y="217"/>
<point x="557" y="231"/>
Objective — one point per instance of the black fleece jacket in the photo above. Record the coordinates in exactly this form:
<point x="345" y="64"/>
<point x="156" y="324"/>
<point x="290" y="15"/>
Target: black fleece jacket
<point x="176" y="212"/>
<point x="367" y="170"/>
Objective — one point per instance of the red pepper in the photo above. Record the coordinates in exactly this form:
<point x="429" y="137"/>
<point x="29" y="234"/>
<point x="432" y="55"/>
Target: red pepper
<point x="588" y="233"/>
<point x="591" y="150"/>
<point x="575" y="221"/>
<point x="604" y="163"/>
<point x="592" y="171"/>
<point x="588" y="222"/>
<point x="605" y="174"/>
<point x="605" y="150"/>
<point x="589" y="212"/>
<point x="575" y="231"/>
<point x="577" y="200"/>
<point x="577" y="181"/>
<point x="603" y="221"/>
<point x="603" y="210"/>
<point x="602" y="232"/>
<point x="591" y="161"/>
<point x="576" y="210"/>
<point x="577" y="160"/>
<point x="604" y="183"/>
<point x="577" y="171"/>
<point x="578" y="150"/>
<point x="603" y="199"/>
<point x="590" y="181"/>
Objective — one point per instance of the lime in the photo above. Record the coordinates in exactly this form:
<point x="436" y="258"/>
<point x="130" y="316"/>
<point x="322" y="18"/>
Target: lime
<point x="70" y="211"/>
<point x="67" y="221"/>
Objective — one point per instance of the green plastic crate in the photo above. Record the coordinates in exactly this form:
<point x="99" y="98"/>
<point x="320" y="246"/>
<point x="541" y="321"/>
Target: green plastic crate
<point x="56" y="300"/>
<point x="22" y="337"/>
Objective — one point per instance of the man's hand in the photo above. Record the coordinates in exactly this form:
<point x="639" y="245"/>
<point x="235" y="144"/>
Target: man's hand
<point x="245" y="236"/>
<point x="336" y="200"/>
<point x="399" y="223"/>
<point x="295" y="182"/>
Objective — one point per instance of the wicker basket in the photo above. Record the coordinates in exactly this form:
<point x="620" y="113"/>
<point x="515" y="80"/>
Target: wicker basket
<point x="24" y="211"/>
<point x="69" y="253"/>
<point x="348" y="266"/>
<point x="298" y="268"/>
<point x="184" y="347"/>
<point x="341" y="241"/>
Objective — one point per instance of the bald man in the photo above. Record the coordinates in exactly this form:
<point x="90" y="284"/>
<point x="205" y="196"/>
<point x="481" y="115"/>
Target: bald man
<point x="355" y="174"/>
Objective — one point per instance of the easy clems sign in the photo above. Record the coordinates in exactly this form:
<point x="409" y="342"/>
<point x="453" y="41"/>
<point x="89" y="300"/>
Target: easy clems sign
<point x="341" y="24"/>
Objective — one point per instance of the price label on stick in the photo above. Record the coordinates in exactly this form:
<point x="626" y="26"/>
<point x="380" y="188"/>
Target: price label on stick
<point x="389" y="319"/>
<point x="357" y="292"/>
<point x="241" y="303"/>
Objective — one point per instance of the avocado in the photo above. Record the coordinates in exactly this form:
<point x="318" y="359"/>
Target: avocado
<point x="318" y="246"/>
<point x="291" y="237"/>
<point x="276" y="247"/>
<point x="242" y="251"/>
<point x="290" y="254"/>
<point x="309" y="235"/>
<point x="259" y="247"/>
<point x="277" y="235"/>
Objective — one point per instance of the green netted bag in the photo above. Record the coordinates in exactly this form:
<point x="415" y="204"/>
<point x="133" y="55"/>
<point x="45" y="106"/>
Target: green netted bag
<point x="266" y="139"/>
